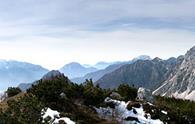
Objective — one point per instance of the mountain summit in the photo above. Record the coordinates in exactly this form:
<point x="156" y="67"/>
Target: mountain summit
<point x="52" y="74"/>
<point x="73" y="70"/>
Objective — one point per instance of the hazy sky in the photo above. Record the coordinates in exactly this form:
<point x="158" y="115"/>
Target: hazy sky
<point x="54" y="32"/>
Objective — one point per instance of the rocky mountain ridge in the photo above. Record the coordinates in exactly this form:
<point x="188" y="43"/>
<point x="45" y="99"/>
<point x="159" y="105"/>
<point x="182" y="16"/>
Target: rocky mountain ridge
<point x="181" y="82"/>
<point x="100" y="73"/>
<point x="143" y="73"/>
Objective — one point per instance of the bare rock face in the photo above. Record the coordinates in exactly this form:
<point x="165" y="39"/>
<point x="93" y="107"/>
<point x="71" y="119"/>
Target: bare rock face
<point x="181" y="82"/>
<point x="148" y="73"/>
<point x="145" y="94"/>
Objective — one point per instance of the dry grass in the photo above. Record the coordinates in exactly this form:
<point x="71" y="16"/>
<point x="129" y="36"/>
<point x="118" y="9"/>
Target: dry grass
<point x="4" y="105"/>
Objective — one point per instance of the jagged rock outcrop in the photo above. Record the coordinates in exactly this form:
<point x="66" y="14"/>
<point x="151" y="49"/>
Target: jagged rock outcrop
<point x="145" y="94"/>
<point x="181" y="82"/>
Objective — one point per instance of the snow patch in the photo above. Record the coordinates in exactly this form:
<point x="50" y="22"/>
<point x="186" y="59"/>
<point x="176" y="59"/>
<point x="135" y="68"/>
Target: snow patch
<point x="185" y="95"/>
<point x="191" y="96"/>
<point x="54" y="117"/>
<point x="65" y="119"/>
<point x="150" y="104"/>
<point x="164" y="112"/>
<point x="181" y="95"/>
<point x="121" y="113"/>
<point x="50" y="113"/>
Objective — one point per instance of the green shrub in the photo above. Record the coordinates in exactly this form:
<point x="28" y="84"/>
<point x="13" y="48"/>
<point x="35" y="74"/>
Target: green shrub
<point x="26" y="110"/>
<point x="127" y="92"/>
<point x="93" y="95"/>
<point x="179" y="111"/>
<point x="12" y="91"/>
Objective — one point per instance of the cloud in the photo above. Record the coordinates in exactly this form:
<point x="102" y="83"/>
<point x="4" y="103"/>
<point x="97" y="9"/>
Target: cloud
<point x="52" y="33"/>
<point x="90" y="46"/>
<point x="93" y="12"/>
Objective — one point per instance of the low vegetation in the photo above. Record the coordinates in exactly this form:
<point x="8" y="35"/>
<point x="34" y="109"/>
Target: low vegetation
<point x="72" y="100"/>
<point x="179" y="111"/>
<point x="127" y="92"/>
<point x="12" y="91"/>
<point x="76" y="101"/>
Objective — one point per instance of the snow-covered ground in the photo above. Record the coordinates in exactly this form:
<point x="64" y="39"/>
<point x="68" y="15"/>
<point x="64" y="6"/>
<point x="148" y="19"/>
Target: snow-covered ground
<point x="54" y="117"/>
<point x="125" y="116"/>
<point x="190" y="95"/>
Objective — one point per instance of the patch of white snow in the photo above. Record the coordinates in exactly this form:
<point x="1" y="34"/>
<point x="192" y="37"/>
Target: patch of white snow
<point x="164" y="112"/>
<point x="65" y="119"/>
<point x="191" y="96"/>
<point x="54" y="117"/>
<point x="120" y="112"/>
<point x="49" y="113"/>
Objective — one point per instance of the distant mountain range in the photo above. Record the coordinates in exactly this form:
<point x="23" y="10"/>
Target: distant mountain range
<point x="73" y="70"/>
<point x="13" y="72"/>
<point x="100" y="65"/>
<point x="100" y="73"/>
<point x="103" y="65"/>
<point x="174" y="77"/>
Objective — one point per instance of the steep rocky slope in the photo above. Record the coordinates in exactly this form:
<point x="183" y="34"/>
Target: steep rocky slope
<point x="149" y="74"/>
<point x="181" y="82"/>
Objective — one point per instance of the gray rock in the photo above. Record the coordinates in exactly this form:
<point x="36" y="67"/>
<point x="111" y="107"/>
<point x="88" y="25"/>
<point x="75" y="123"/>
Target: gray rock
<point x="145" y="94"/>
<point x="115" y="95"/>
<point x="52" y="74"/>
<point x="180" y="82"/>
<point x="63" y="95"/>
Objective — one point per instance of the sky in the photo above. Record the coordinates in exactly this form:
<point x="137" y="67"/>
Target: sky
<point x="52" y="33"/>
